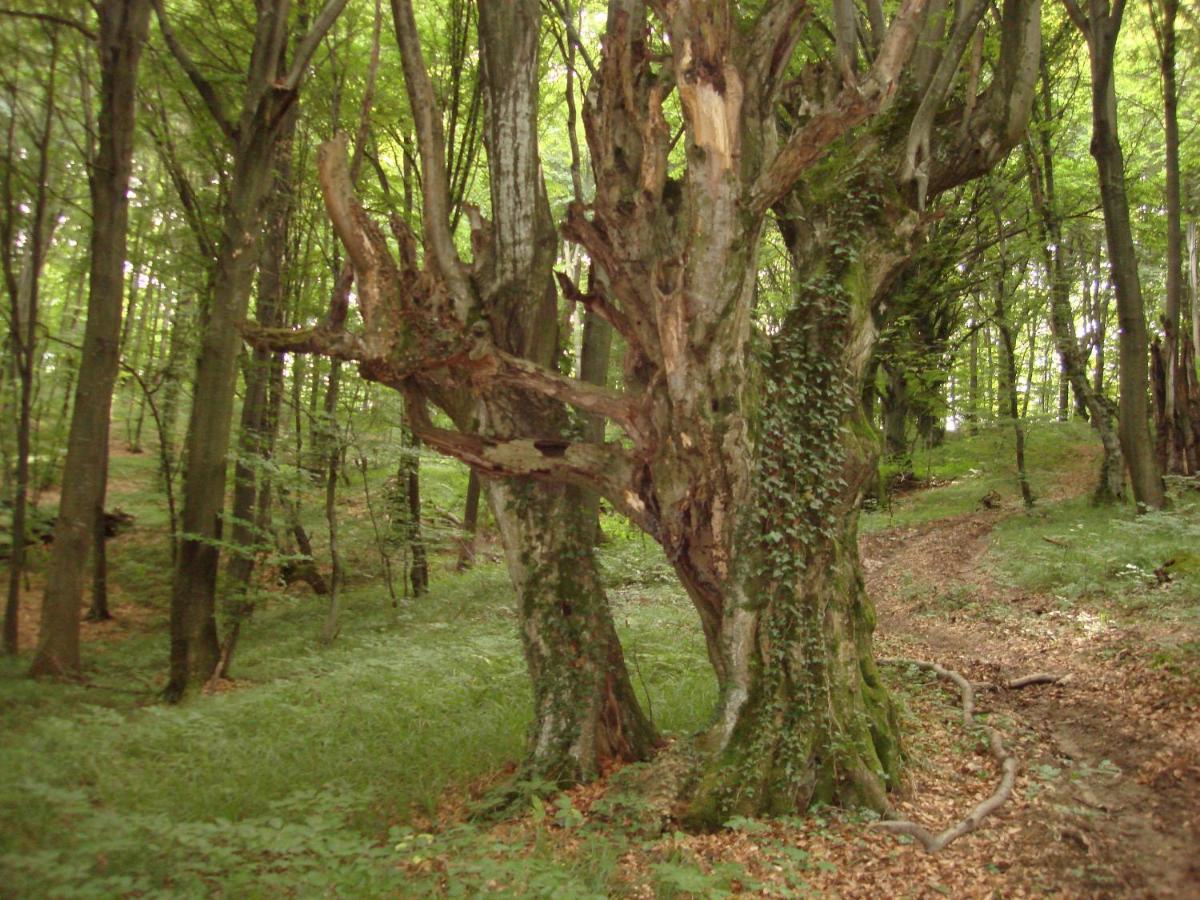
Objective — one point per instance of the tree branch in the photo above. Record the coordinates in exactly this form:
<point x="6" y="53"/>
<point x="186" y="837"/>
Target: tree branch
<point x="854" y="104"/>
<point x="308" y="44"/>
<point x="572" y="34"/>
<point x="596" y="302"/>
<point x="51" y="19"/>
<point x="590" y="398"/>
<point x="435" y="194"/>
<point x="203" y="87"/>
<point x="605" y="468"/>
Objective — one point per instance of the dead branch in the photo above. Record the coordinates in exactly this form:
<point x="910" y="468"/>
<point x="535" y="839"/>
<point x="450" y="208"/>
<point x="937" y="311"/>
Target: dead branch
<point x="1040" y="678"/>
<point x="1008" y="768"/>
<point x="1025" y="681"/>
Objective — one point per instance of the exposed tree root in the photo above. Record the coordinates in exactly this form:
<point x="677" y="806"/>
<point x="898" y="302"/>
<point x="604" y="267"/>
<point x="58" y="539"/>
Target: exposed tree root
<point x="1008" y="767"/>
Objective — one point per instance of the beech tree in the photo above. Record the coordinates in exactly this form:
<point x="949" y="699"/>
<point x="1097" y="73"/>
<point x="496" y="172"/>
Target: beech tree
<point x="744" y="453"/>
<point x="1100" y="22"/>
<point x="119" y="41"/>
<point x="271" y="84"/>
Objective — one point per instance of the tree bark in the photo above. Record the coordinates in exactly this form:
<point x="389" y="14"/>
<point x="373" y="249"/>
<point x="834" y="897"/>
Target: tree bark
<point x="271" y="88"/>
<point x="586" y="714"/>
<point x="1102" y="414"/>
<point x="79" y="529"/>
<point x="24" y="289"/>
<point x="803" y="716"/>
<point x="1101" y="27"/>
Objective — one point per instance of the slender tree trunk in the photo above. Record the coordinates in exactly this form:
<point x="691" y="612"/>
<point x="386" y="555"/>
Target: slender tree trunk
<point x="1101" y="30"/>
<point x="23" y="323"/>
<point x="1177" y="451"/>
<point x="408" y="479"/>
<point x="973" y="382"/>
<point x="332" y="444"/>
<point x="271" y="85"/>
<point x="895" y="416"/>
<point x="1009" y="353"/>
<point x="596" y="348"/>
<point x="256" y="442"/>
<point x="466" y="554"/>
<point x="97" y="610"/>
<point x="79" y="529"/>
<point x="1110" y="484"/>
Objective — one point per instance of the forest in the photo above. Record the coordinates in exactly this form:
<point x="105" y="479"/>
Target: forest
<point x="600" y="448"/>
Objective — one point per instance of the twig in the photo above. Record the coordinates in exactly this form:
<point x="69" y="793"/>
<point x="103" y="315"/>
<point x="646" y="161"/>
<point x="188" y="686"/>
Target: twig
<point x="1008" y="768"/>
<point x="1055" y="542"/>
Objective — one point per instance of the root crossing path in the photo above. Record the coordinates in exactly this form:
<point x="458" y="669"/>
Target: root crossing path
<point x="1107" y="797"/>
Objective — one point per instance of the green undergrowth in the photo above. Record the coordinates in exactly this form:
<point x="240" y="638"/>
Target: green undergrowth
<point x="327" y="771"/>
<point x="968" y="467"/>
<point x="305" y="776"/>
<point x="1083" y="556"/>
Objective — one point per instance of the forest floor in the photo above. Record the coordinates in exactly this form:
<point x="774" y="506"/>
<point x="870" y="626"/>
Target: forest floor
<point x="1108" y="796"/>
<point x="354" y="769"/>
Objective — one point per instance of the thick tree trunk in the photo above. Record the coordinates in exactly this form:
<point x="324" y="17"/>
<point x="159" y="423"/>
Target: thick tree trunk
<point x="803" y="716"/>
<point x="586" y="715"/>
<point x="79" y="528"/>
<point x="585" y="712"/>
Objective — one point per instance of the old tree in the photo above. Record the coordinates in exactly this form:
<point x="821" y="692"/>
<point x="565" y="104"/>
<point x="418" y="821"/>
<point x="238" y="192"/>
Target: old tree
<point x="741" y="449"/>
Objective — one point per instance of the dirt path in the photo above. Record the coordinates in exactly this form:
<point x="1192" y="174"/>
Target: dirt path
<point x="1108" y="803"/>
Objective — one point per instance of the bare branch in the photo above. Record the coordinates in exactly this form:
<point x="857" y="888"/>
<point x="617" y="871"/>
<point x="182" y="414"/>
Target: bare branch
<point x="917" y="153"/>
<point x="1077" y="15"/>
<point x="589" y="398"/>
<point x="308" y="44"/>
<point x="427" y="118"/>
<point x="775" y="36"/>
<point x="564" y="15"/>
<point x="52" y="19"/>
<point x="854" y="105"/>
<point x="202" y="85"/>
<point x="597" y="303"/>
<point x="606" y="468"/>
<point x="334" y="343"/>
